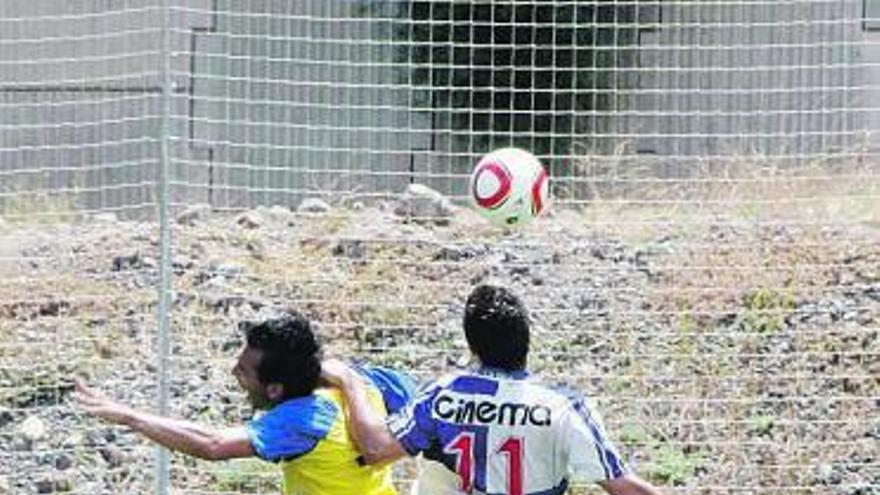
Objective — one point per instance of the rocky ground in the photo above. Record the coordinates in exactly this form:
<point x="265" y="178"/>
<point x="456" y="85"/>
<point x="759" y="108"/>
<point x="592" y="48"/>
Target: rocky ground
<point x="729" y="353"/>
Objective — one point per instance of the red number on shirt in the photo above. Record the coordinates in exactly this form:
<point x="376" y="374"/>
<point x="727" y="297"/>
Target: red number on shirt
<point x="462" y="447"/>
<point x="512" y="447"/>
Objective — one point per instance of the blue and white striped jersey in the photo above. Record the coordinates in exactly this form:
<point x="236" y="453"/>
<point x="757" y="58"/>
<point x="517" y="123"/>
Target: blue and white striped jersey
<point x="503" y="433"/>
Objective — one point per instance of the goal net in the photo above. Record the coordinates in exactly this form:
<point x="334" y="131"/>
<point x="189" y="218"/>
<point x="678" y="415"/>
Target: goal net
<point x="707" y="274"/>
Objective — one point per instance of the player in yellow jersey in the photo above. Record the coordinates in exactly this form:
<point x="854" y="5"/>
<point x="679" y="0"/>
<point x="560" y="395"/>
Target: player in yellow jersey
<point x="303" y="427"/>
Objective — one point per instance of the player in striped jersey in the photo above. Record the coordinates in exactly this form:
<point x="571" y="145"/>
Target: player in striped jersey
<point x="494" y="429"/>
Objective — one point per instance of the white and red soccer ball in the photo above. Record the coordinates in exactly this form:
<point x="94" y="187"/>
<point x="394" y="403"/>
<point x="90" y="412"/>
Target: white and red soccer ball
<point x="510" y="187"/>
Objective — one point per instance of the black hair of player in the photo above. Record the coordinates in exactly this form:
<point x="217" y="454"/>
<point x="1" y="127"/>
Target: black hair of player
<point x="496" y="325"/>
<point x="291" y="353"/>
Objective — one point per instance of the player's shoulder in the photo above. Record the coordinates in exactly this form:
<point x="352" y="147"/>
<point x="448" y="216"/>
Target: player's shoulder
<point x="468" y="382"/>
<point x="294" y="427"/>
<point x="312" y="415"/>
<point x="562" y="394"/>
<point x="321" y="401"/>
<point x="446" y="379"/>
<point x="458" y="381"/>
<point x="396" y="387"/>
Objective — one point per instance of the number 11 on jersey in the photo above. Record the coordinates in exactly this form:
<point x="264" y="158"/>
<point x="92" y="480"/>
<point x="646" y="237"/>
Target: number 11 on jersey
<point x="462" y="447"/>
<point x="513" y="448"/>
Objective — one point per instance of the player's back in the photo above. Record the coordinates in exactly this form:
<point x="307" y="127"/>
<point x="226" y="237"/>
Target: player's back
<point x="504" y="433"/>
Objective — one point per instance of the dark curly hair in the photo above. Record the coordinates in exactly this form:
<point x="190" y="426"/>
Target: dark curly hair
<point x="291" y="352"/>
<point x="496" y="325"/>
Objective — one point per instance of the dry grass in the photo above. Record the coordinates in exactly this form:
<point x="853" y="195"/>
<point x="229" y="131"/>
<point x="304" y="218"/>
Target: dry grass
<point x="748" y="189"/>
<point x="36" y="207"/>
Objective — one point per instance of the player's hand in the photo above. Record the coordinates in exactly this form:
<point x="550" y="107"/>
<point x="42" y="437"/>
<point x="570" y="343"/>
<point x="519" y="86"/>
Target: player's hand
<point x="94" y="403"/>
<point x="334" y="372"/>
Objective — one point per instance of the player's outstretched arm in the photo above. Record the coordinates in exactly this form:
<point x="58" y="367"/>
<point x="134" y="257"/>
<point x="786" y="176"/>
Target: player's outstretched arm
<point x="184" y="436"/>
<point x="367" y="428"/>
<point x="629" y="484"/>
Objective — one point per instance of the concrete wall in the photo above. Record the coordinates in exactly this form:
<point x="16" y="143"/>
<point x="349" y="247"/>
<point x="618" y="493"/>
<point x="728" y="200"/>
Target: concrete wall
<point x="295" y="98"/>
<point x="870" y="57"/>
<point x="79" y="100"/>
<point x="275" y="100"/>
<point x="739" y="79"/>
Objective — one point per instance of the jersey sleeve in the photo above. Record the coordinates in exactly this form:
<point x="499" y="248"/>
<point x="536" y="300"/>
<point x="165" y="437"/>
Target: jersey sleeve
<point x="413" y="425"/>
<point x="591" y="456"/>
<point x="397" y="388"/>
<point x="291" y="429"/>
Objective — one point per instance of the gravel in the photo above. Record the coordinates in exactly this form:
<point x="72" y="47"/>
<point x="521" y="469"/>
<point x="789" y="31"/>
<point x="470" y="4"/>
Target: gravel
<point x="712" y="368"/>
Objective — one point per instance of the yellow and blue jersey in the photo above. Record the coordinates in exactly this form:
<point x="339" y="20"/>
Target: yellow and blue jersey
<point x="308" y="437"/>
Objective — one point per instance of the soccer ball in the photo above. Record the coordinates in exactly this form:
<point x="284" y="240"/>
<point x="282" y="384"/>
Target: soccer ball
<point x="509" y="187"/>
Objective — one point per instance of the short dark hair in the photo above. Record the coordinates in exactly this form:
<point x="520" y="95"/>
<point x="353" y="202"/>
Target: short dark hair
<point x="496" y="325"/>
<point x="291" y="352"/>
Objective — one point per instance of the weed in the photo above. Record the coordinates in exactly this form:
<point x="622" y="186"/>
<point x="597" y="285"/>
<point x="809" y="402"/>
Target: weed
<point x="762" y="423"/>
<point x="634" y="435"/>
<point x="765" y="311"/>
<point x="667" y="463"/>
<point x="671" y="465"/>
<point x="247" y="476"/>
